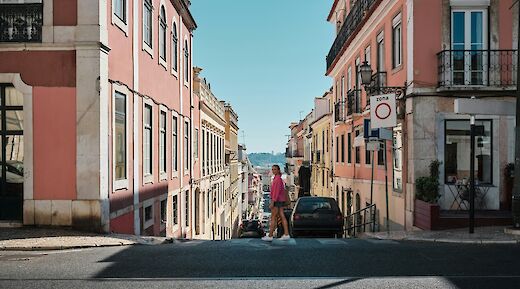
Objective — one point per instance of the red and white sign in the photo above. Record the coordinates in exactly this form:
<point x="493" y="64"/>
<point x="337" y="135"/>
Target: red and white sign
<point x="383" y="111"/>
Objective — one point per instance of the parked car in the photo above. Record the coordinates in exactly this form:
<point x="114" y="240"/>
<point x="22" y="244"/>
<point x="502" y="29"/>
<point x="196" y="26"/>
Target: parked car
<point x="250" y="229"/>
<point x="316" y="216"/>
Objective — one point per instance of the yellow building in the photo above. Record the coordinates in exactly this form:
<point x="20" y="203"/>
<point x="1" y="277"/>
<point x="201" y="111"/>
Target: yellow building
<point x="321" y="147"/>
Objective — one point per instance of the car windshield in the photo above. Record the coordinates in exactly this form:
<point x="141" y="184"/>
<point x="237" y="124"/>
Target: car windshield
<point x="312" y="205"/>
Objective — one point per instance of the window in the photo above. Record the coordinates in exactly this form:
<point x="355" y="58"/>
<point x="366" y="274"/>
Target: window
<point x="175" y="208"/>
<point x="147" y="140"/>
<point x="469" y="30"/>
<point x="186" y="145"/>
<point x="367" y="55"/>
<point x="175" y="48"/>
<point x="358" y="151"/>
<point x="196" y="144"/>
<point x="148" y="213"/>
<point x="203" y="152"/>
<point x="380" y="53"/>
<point x="349" y="148"/>
<point x="397" y="159"/>
<point x="162" y="143"/>
<point x="186" y="62"/>
<point x="322" y="177"/>
<point x="349" y="77"/>
<point x="163" y="212"/>
<point x="120" y="9"/>
<point x="342" y="148"/>
<point x="337" y="149"/>
<point x="397" y="52"/>
<point x="457" y="151"/>
<point x="323" y="141"/>
<point x="187" y="208"/>
<point x="162" y="34"/>
<point x="343" y="88"/>
<point x="381" y="157"/>
<point x="175" y="142"/>
<point x="147" y="22"/>
<point x="120" y="135"/>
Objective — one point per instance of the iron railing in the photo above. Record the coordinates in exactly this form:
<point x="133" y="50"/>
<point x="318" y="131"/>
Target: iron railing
<point x="340" y="111"/>
<point x="357" y="221"/>
<point x="354" y="101"/>
<point x="21" y="22"/>
<point x="355" y="17"/>
<point x="470" y="68"/>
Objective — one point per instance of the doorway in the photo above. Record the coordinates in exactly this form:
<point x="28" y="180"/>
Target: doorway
<point x="12" y="153"/>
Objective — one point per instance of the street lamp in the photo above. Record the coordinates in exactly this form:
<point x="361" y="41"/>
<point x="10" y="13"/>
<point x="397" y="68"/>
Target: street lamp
<point x="366" y="73"/>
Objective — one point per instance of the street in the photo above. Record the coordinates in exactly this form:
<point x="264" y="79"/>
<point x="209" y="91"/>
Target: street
<point x="298" y="263"/>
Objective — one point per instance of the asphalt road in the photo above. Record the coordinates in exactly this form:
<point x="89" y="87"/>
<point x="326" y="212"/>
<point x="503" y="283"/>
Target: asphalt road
<point x="299" y="263"/>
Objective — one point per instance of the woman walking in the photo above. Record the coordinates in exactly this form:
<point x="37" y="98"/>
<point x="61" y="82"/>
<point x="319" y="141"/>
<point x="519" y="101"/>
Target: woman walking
<point x="276" y="205"/>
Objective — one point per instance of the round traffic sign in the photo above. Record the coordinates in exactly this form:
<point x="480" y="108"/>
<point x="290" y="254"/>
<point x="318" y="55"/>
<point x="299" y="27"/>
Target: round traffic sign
<point x="383" y="110"/>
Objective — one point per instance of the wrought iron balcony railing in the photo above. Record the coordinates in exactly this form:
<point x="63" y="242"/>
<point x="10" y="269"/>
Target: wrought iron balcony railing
<point x="474" y="68"/>
<point x="354" y="101"/>
<point x="21" y="22"/>
<point x="340" y="111"/>
<point x="355" y="17"/>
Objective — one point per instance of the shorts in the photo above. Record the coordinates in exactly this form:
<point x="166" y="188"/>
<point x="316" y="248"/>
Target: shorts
<point x="279" y="204"/>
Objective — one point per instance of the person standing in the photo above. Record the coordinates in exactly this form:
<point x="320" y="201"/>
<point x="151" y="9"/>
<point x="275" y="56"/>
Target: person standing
<point x="278" y="199"/>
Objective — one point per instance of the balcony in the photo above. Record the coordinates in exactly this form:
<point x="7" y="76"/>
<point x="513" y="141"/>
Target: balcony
<point x="358" y="13"/>
<point x="21" y="22"/>
<point x="354" y="101"/>
<point x="477" y="69"/>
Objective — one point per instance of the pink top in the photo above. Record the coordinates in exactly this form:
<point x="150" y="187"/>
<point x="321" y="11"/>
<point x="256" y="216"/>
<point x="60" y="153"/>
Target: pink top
<point x="278" y="189"/>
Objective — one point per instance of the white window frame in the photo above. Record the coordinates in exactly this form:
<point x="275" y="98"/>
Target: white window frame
<point x="147" y="47"/>
<point x="121" y="24"/>
<point x="175" y="49"/>
<point x="147" y="178"/>
<point x="380" y="42"/>
<point x="185" y="146"/>
<point x="349" y="77"/>
<point x="151" y="222"/>
<point x="163" y="175"/>
<point x="195" y="141"/>
<point x="397" y="54"/>
<point x="162" y="61"/>
<point x="467" y="40"/>
<point x="368" y="52"/>
<point x="175" y="145"/>
<point x="186" y="62"/>
<point x="124" y="183"/>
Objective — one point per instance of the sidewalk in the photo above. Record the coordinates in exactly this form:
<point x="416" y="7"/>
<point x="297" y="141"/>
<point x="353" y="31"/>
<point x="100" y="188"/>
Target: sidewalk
<point x="482" y="235"/>
<point x="36" y="239"/>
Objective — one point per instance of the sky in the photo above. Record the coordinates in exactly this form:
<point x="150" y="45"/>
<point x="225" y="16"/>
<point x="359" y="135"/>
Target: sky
<point x="266" y="58"/>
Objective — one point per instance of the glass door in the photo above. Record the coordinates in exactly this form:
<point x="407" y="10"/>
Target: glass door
<point x="469" y="55"/>
<point x="12" y="153"/>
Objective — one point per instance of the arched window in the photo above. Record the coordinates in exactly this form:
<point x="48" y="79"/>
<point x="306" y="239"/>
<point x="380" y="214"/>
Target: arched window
<point x="162" y="34"/>
<point x="147" y="22"/>
<point x="186" y="61"/>
<point x="175" y="48"/>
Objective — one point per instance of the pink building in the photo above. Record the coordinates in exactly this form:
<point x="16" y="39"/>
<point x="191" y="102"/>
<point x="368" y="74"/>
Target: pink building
<point x="439" y="50"/>
<point x="103" y="114"/>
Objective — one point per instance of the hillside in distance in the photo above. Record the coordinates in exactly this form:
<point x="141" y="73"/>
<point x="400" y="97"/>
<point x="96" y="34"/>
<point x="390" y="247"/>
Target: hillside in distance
<point x="267" y="159"/>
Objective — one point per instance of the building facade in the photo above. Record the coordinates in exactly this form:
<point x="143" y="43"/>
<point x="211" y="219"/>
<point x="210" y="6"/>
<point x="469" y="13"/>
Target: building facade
<point x="435" y="51"/>
<point x="111" y="168"/>
<point x="321" y="131"/>
<point x="233" y="209"/>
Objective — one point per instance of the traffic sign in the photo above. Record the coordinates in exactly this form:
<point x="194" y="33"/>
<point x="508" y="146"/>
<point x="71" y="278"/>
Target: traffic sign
<point x="383" y="111"/>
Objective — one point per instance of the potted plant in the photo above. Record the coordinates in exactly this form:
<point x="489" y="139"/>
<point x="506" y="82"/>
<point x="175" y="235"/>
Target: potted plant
<point x="426" y="212"/>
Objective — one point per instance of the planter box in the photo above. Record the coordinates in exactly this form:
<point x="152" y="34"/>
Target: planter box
<point x="426" y="215"/>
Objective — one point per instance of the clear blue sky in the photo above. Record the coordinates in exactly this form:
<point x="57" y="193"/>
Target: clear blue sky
<point x="265" y="57"/>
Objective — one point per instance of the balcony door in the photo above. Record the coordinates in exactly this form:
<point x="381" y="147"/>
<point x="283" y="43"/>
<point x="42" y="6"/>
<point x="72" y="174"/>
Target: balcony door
<point x="469" y="55"/>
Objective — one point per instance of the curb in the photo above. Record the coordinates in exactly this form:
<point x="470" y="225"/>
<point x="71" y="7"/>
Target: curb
<point x="449" y="241"/>
<point x="57" y="248"/>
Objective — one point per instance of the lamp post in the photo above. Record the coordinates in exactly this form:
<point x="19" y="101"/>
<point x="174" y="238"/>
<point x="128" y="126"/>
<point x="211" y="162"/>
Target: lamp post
<point x="372" y="87"/>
